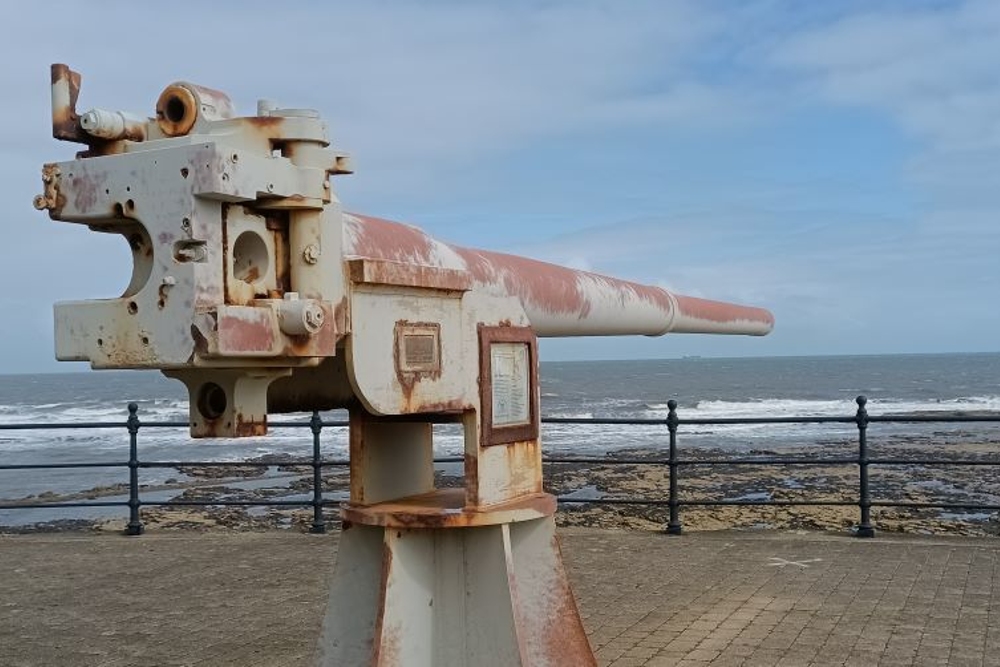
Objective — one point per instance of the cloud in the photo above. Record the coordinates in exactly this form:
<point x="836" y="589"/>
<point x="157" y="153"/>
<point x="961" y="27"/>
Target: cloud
<point x="441" y="102"/>
<point x="934" y="70"/>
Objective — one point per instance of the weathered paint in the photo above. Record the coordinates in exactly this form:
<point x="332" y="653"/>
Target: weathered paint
<point x="113" y="125"/>
<point x="387" y="272"/>
<point x="246" y="331"/>
<point x="385" y="650"/>
<point x="559" y="301"/>
<point x="181" y="105"/>
<point x="446" y="508"/>
<point x="540" y="590"/>
<point x="376" y="238"/>
<point x="52" y="199"/>
<point x="65" y="92"/>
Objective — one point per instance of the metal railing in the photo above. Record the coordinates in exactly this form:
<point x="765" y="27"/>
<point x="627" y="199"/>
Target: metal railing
<point x="861" y="419"/>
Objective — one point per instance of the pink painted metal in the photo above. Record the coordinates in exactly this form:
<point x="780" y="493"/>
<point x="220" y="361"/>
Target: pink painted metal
<point x="559" y="301"/>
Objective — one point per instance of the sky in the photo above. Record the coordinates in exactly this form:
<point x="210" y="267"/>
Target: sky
<point x="837" y="163"/>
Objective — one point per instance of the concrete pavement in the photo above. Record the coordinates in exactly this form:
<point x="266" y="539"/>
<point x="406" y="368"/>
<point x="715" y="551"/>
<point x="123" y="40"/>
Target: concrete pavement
<point x="719" y="598"/>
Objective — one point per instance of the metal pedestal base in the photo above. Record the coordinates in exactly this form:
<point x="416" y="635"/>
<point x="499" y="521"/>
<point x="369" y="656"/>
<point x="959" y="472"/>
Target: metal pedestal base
<point x="491" y="595"/>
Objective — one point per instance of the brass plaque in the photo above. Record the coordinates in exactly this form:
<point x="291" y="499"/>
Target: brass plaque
<point x="419" y="351"/>
<point x="418" y="348"/>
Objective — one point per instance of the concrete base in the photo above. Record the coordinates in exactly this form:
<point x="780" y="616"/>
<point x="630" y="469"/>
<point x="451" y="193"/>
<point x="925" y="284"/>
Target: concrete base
<point x="490" y="595"/>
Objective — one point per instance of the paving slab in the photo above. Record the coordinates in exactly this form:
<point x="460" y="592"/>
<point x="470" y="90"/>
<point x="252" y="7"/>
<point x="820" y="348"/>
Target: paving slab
<point x="714" y="598"/>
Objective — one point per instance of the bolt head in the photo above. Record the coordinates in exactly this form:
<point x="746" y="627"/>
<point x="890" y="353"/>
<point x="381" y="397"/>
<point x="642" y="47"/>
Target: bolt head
<point x="311" y="254"/>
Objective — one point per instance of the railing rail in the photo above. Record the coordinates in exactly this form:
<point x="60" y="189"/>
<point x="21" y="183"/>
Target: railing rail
<point x="674" y="463"/>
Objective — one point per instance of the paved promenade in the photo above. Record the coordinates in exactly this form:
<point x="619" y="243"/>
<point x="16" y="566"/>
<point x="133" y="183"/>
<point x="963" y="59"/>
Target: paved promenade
<point x="723" y="598"/>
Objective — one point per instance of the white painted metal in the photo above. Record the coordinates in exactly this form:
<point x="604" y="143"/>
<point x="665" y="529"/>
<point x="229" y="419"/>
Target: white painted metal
<point x="490" y="596"/>
<point x="112" y="125"/>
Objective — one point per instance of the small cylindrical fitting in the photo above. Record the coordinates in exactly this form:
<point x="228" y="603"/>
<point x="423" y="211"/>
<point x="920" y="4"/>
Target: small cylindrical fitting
<point x="300" y="317"/>
<point x="113" y="125"/>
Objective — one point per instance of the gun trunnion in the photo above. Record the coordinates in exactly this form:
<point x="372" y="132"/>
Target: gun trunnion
<point x="252" y="286"/>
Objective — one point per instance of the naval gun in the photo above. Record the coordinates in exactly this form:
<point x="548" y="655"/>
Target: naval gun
<point x="252" y="286"/>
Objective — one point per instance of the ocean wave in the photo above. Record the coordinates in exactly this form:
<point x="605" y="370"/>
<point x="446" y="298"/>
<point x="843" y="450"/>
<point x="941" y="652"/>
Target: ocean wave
<point x="765" y="408"/>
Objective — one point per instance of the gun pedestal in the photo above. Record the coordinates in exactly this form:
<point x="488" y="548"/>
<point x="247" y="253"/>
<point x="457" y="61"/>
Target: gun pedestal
<point x="427" y="581"/>
<point x="455" y="576"/>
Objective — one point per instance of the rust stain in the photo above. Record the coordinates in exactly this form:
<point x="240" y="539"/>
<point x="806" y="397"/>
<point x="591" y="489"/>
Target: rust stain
<point x="65" y="121"/>
<point x="225" y="249"/>
<point x="176" y="111"/>
<point x="264" y="122"/>
<point x="252" y="275"/>
<point x="395" y="253"/>
<point x="341" y="314"/>
<point x="717" y="311"/>
<point x="246" y="427"/>
<point x="449" y="407"/>
<point x="408" y="378"/>
<point x="321" y="344"/>
<point x="564" y="642"/>
<point x="205" y="164"/>
<point x="201" y="345"/>
<point x="524" y="463"/>
<point x="52" y="198"/>
<point x="471" y="480"/>
<point x="385" y="647"/>
<point x="552" y="288"/>
<point x="162" y="293"/>
<point x="269" y="131"/>
<point x="86" y="189"/>
<point x="277" y="224"/>
<point x="222" y="105"/>
<point x="383" y="239"/>
<point x="448" y="508"/>
<point x="385" y="272"/>
<point x="250" y="331"/>
<point x="356" y="446"/>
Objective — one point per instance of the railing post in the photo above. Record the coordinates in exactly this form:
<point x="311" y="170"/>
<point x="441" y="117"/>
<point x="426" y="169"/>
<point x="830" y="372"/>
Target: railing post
<point x="134" y="526"/>
<point x="865" y="501"/>
<point x="319" y="523"/>
<point x="674" y="525"/>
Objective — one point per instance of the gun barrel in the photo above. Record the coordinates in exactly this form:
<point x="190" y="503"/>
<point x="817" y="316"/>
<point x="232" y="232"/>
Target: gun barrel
<point x="560" y="301"/>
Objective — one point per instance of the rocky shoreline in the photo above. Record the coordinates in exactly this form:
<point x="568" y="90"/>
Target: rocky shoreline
<point x="916" y="482"/>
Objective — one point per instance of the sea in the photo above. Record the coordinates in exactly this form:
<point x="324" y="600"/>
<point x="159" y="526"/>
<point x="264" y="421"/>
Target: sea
<point x="702" y="387"/>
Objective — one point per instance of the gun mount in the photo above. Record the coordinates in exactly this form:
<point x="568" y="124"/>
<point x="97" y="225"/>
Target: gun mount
<point x="252" y="286"/>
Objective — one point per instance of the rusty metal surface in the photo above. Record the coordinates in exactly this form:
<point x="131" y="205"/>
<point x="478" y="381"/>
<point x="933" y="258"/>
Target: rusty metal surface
<point x="181" y="105"/>
<point x="559" y="301"/>
<point x="446" y="508"/>
<point x="385" y="272"/>
<point x="51" y="199"/>
<point x="540" y="591"/>
<point x="65" y="92"/>
<point x="113" y="125"/>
